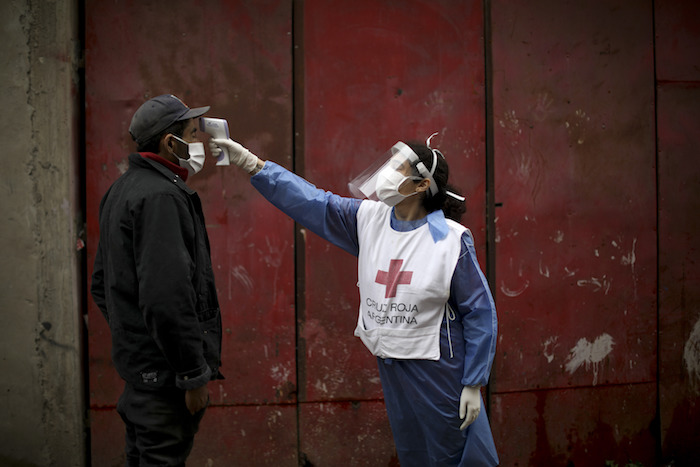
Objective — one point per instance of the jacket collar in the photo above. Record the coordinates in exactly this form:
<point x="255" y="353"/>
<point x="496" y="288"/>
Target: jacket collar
<point x="138" y="160"/>
<point x="176" y="169"/>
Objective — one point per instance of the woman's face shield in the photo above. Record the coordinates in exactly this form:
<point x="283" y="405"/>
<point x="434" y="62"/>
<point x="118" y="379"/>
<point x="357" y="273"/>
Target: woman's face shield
<point x="400" y="158"/>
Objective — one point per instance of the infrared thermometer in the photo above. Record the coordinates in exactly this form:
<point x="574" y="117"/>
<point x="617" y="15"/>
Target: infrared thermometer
<point x="217" y="128"/>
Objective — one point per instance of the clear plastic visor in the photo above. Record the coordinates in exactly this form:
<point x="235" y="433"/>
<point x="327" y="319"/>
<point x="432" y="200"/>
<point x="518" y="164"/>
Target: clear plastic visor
<point x="400" y="158"/>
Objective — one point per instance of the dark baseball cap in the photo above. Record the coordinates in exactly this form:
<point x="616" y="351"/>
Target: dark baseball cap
<point x="157" y="114"/>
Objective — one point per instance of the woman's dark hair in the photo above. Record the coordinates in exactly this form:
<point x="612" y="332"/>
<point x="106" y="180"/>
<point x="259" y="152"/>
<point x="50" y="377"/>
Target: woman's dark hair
<point x="152" y="145"/>
<point x="453" y="208"/>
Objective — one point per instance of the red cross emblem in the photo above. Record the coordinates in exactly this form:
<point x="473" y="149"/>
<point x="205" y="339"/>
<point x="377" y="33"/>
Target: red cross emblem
<point x="393" y="277"/>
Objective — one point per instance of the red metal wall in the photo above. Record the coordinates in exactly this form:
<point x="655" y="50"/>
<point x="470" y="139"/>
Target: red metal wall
<point x="678" y="114"/>
<point x="591" y="366"/>
<point x="371" y="76"/>
<point x="234" y="56"/>
<point x="573" y="116"/>
<point x="375" y="73"/>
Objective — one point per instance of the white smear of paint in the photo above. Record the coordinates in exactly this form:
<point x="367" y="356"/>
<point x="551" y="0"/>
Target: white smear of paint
<point x="321" y="386"/>
<point x="513" y="292"/>
<point x="512" y="119"/>
<point x="691" y="357"/>
<point x="631" y="258"/>
<point x="547" y="351"/>
<point x="543" y="107"/>
<point x="602" y="283"/>
<point x="558" y="236"/>
<point x="544" y="270"/>
<point x="569" y="273"/>
<point x="240" y="273"/>
<point x="279" y="373"/>
<point x="273" y="417"/>
<point x="222" y="393"/>
<point x="525" y="166"/>
<point x="590" y="354"/>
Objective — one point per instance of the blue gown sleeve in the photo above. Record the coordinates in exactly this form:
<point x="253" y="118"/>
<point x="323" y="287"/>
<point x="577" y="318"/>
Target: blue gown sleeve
<point x="332" y="217"/>
<point x="473" y="303"/>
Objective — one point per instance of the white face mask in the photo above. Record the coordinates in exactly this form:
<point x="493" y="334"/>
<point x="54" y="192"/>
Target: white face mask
<point x="388" y="183"/>
<point x="195" y="151"/>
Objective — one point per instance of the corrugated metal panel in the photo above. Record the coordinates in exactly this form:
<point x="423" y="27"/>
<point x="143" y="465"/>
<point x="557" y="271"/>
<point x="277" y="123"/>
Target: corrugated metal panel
<point x="582" y="427"/>
<point x="573" y="103"/>
<point x="256" y="435"/>
<point x="573" y="108"/>
<point x="677" y="40"/>
<point x="374" y="76"/>
<point x="106" y="438"/>
<point x="239" y="435"/>
<point x="679" y="272"/>
<point x="234" y="56"/>
<point x="677" y="45"/>
<point x="346" y="433"/>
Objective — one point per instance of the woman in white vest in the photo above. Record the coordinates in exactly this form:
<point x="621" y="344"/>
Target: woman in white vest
<point x="426" y="311"/>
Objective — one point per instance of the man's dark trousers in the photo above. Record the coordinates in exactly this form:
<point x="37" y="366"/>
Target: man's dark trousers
<point x="159" y="428"/>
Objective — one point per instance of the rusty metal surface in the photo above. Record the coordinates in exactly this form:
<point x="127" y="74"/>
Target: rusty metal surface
<point x="374" y="76"/>
<point x="370" y="80"/>
<point x="106" y="439"/>
<point x="679" y="271"/>
<point x="254" y="264"/>
<point x="574" y="157"/>
<point x="235" y="57"/>
<point x="575" y="377"/>
<point x="585" y="427"/>
<point x="573" y="105"/>
<point x="257" y="435"/>
<point x="677" y="40"/>
<point x="678" y="111"/>
<point x="346" y="433"/>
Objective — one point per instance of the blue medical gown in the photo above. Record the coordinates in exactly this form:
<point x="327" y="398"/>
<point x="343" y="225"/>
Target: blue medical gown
<point x="421" y="396"/>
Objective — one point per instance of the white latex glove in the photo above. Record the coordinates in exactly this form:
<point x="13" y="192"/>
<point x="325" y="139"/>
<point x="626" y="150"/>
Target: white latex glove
<point x="236" y="152"/>
<point x="469" y="405"/>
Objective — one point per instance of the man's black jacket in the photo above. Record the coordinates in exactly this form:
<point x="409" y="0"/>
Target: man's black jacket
<point x="153" y="280"/>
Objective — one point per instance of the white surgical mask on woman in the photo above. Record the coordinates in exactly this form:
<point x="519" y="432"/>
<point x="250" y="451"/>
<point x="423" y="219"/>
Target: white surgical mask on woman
<point x="389" y="181"/>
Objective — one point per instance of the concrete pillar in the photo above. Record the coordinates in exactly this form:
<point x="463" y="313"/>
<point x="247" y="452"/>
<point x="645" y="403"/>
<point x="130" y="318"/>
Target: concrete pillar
<point x="42" y="408"/>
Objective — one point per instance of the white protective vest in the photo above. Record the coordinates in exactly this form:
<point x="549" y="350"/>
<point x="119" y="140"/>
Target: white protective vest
<point x="404" y="280"/>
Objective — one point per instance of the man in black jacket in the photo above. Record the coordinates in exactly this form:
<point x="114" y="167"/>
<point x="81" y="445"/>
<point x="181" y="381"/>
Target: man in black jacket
<point x="154" y="283"/>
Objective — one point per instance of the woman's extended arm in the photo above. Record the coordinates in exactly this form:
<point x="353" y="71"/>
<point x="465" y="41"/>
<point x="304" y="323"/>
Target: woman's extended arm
<point x="328" y="215"/>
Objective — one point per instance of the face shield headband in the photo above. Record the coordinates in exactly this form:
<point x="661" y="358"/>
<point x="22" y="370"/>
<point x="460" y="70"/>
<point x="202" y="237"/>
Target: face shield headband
<point x="435" y="154"/>
<point x="364" y="185"/>
<point x="425" y="173"/>
<point x="400" y="158"/>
